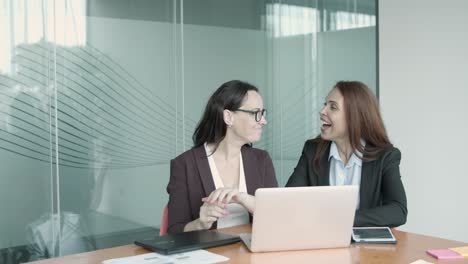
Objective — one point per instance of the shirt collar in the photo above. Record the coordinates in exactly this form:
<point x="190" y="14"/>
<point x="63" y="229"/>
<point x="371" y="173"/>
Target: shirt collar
<point x="353" y="160"/>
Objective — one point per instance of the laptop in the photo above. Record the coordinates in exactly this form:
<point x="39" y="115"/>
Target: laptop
<point x="298" y="218"/>
<point x="187" y="241"/>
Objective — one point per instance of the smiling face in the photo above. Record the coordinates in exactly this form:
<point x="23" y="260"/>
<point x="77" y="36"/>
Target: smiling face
<point x="333" y="118"/>
<point x="243" y="126"/>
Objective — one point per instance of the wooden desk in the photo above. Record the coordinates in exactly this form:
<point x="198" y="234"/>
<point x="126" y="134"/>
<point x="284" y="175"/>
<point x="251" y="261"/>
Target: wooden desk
<point x="410" y="247"/>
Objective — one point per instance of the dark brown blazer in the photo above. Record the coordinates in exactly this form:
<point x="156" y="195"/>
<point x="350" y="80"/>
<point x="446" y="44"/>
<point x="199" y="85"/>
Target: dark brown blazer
<point x="382" y="196"/>
<point x="191" y="180"/>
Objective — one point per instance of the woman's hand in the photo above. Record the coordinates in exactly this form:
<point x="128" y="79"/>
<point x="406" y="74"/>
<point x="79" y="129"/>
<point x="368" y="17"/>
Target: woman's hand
<point x="224" y="196"/>
<point x="210" y="213"/>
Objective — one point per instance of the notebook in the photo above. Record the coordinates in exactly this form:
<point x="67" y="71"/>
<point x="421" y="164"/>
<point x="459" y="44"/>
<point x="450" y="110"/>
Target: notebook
<point x="302" y="218"/>
<point x="444" y="254"/>
<point x="461" y="250"/>
<point x="187" y="241"/>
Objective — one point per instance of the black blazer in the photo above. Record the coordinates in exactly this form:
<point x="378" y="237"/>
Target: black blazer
<point x="191" y="180"/>
<point x="382" y="196"/>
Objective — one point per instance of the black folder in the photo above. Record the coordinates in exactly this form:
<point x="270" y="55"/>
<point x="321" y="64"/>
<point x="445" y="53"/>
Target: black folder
<point x="187" y="241"/>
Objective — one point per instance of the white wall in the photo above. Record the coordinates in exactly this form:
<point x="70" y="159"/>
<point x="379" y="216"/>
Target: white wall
<point x="423" y="92"/>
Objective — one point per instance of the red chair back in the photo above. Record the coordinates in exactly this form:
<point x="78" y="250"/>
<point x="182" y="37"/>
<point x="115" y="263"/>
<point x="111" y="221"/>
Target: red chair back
<point x="164" y="221"/>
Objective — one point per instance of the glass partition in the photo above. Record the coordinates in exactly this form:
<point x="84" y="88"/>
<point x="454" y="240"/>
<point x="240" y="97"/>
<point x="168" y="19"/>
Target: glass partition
<point x="96" y="98"/>
<point x="311" y="45"/>
<point x="28" y="133"/>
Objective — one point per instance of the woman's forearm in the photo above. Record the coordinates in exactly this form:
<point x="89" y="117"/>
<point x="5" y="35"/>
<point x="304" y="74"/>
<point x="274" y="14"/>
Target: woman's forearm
<point x="248" y="202"/>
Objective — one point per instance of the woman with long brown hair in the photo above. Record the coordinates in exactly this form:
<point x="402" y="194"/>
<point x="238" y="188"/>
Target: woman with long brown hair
<point x="353" y="149"/>
<point x="212" y="185"/>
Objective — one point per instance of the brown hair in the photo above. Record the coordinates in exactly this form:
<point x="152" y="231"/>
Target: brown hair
<point x="363" y="120"/>
<point x="211" y="128"/>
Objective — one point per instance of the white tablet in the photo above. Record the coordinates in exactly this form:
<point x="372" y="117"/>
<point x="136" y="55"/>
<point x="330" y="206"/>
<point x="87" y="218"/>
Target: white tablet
<point x="373" y="235"/>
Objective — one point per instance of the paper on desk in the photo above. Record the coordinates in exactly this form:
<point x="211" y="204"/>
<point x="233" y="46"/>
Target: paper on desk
<point x="192" y="257"/>
<point x="420" y="261"/>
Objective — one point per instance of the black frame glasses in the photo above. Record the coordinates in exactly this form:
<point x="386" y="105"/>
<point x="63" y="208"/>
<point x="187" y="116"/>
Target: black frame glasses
<point x="257" y="113"/>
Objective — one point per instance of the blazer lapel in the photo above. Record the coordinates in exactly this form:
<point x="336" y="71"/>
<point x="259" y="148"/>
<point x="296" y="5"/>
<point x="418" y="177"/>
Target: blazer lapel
<point x="252" y="176"/>
<point x="204" y="169"/>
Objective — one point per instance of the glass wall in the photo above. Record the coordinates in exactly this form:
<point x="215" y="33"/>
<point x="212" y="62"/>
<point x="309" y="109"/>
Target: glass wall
<point x="311" y="45"/>
<point x="97" y="96"/>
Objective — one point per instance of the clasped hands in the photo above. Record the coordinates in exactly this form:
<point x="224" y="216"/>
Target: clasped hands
<point x="214" y="206"/>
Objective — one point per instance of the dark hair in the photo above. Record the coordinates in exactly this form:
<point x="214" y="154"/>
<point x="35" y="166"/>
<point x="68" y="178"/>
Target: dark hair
<point x="211" y="128"/>
<point x="363" y="121"/>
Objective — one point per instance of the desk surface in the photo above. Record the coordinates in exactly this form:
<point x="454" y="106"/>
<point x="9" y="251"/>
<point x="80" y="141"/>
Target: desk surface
<point x="410" y="247"/>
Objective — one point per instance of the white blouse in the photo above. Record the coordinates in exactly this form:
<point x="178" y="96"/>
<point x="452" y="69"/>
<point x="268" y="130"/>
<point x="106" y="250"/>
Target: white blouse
<point x="345" y="174"/>
<point x="238" y="215"/>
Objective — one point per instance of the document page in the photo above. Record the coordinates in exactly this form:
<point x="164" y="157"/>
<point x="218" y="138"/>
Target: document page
<point x="192" y="257"/>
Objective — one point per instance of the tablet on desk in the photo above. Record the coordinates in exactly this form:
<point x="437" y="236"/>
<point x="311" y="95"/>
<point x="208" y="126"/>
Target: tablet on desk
<point x="376" y="235"/>
<point x="187" y="241"/>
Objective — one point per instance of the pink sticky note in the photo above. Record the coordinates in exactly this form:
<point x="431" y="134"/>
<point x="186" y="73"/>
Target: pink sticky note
<point x="444" y="254"/>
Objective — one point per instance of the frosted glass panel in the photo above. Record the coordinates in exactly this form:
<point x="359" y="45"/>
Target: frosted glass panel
<point x="27" y="137"/>
<point x="120" y="95"/>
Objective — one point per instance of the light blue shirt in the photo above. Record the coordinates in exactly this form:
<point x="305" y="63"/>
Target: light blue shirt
<point x="341" y="174"/>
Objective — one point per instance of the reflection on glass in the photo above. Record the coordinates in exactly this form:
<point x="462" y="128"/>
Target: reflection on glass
<point x="347" y="20"/>
<point x="28" y="22"/>
<point x="291" y="20"/>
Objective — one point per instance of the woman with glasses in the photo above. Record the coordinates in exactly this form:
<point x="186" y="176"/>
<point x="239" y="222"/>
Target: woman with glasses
<point x="212" y="184"/>
<point x="353" y="149"/>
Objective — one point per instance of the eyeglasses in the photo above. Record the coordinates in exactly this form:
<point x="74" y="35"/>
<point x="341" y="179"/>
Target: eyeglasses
<point x="258" y="113"/>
